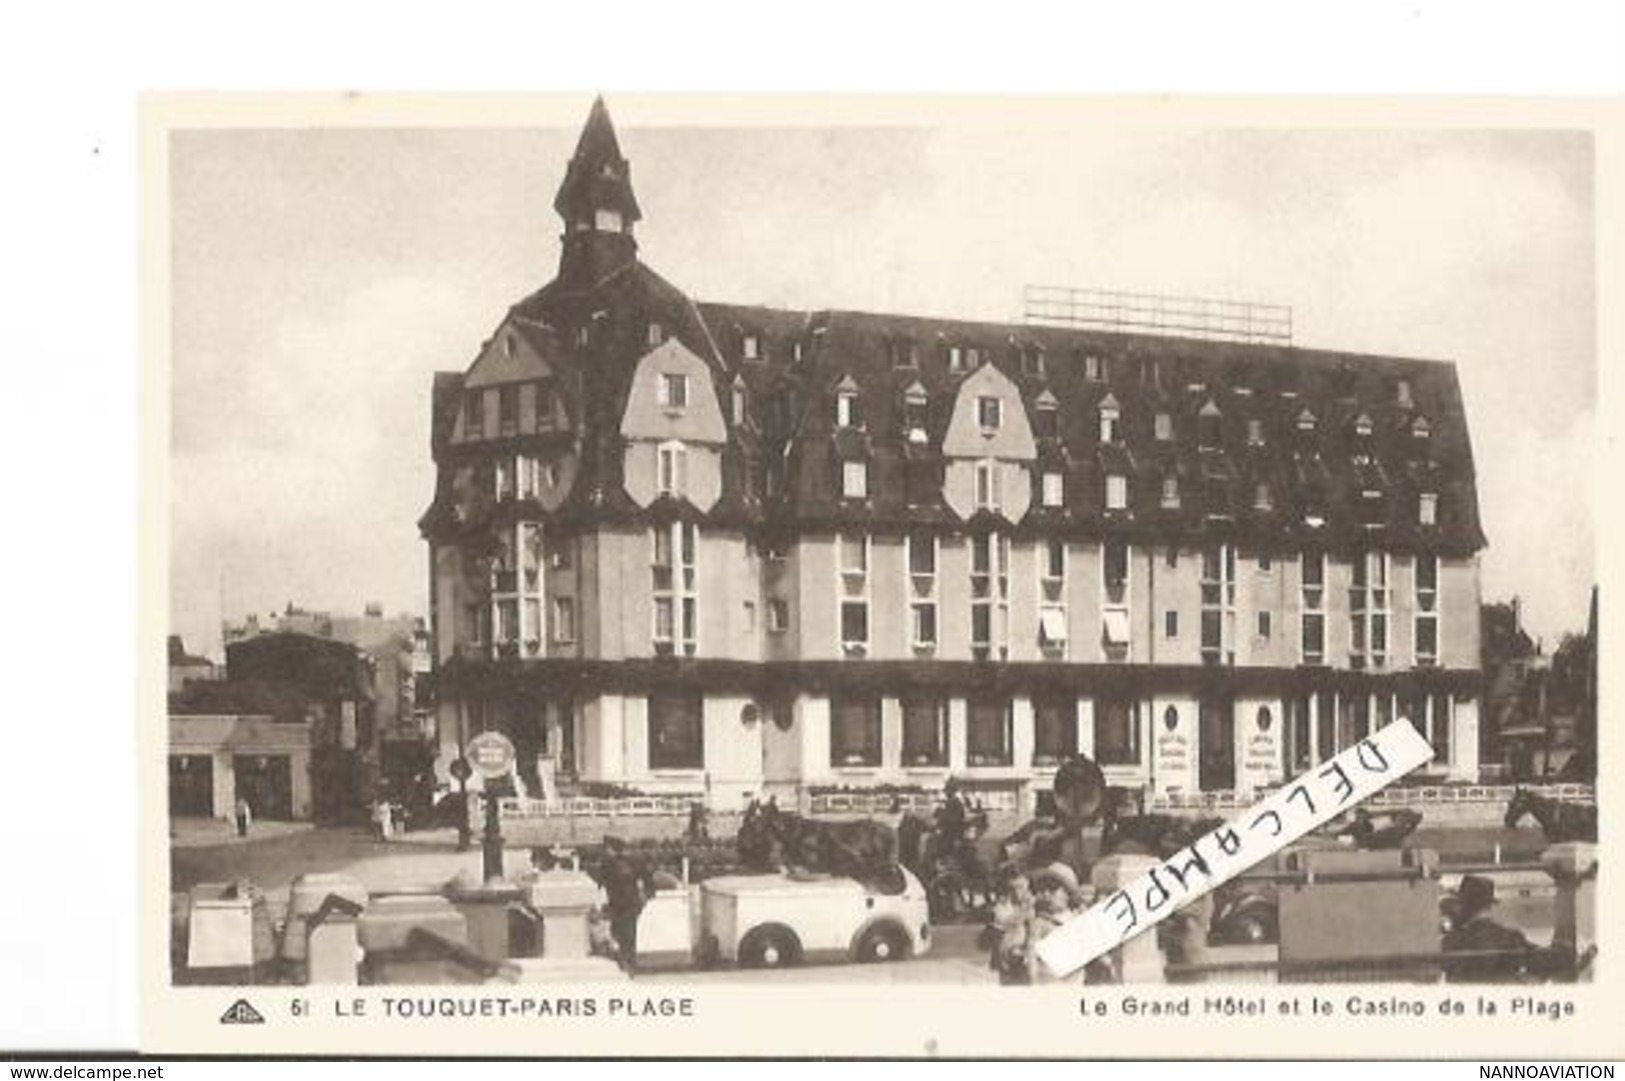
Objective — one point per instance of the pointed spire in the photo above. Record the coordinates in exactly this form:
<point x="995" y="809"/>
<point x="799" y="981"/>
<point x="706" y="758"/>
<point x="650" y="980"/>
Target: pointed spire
<point x="597" y="203"/>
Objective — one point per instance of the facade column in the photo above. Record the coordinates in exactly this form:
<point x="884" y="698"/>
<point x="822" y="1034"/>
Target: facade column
<point x="1086" y="726"/>
<point x="958" y="720"/>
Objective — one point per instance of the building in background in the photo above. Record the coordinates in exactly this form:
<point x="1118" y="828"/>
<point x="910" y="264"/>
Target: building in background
<point x="187" y="668"/>
<point x="716" y="550"/>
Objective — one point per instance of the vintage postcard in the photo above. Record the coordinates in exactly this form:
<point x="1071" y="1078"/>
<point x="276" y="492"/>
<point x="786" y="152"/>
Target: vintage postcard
<point x="735" y="576"/>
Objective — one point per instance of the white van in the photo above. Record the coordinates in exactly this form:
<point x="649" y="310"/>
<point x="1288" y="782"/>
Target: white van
<point x="771" y="920"/>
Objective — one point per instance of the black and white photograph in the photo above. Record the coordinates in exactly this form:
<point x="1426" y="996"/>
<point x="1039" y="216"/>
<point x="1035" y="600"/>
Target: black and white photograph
<point x="680" y="544"/>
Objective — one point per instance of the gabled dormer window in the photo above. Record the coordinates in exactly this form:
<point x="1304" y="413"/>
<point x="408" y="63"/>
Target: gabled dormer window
<point x="915" y="402"/>
<point x="1209" y="426"/>
<point x="1306" y="421"/>
<point x="1163" y="427"/>
<point x="1046" y="417"/>
<point x="847" y="413"/>
<point x="1109" y="415"/>
<point x="1421" y="429"/>
<point x="1170" y="493"/>
<point x="751" y="347"/>
<point x="1116" y="491"/>
<point x="1362" y="426"/>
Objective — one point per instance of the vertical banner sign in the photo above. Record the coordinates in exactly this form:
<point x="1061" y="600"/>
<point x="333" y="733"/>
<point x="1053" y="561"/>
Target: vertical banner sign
<point x="1303" y="804"/>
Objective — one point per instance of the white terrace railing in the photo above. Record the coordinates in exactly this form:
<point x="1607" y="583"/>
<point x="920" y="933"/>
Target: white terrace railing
<point x="1421" y="795"/>
<point x="594" y="807"/>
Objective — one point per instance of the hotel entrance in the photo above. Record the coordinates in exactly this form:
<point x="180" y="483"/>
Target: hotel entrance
<point x="1216" y="724"/>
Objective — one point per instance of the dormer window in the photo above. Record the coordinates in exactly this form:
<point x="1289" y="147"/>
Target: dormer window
<point x="1046" y="423"/>
<point x="1402" y="392"/>
<point x="1053" y="489"/>
<point x="1093" y="369"/>
<point x="1032" y="360"/>
<point x="956" y="358"/>
<point x="914" y="410"/>
<point x="855" y="480"/>
<point x="738" y="403"/>
<point x="751" y="347"/>
<point x="474" y="415"/>
<point x="1163" y="426"/>
<point x="989" y="413"/>
<point x="901" y="352"/>
<point x="673" y="390"/>
<point x="1427" y="508"/>
<point x="608" y="221"/>
<point x="1421" y="429"/>
<point x="1209" y="427"/>
<point x="797" y="351"/>
<point x="1262" y="499"/>
<point x="657" y="334"/>
<point x="1116" y="491"/>
<point x="1255" y="432"/>
<point x="1306" y="421"/>
<point x="1362" y="426"/>
<point x="1109" y="415"/>
<point x="1170" y="493"/>
<point x="846" y="409"/>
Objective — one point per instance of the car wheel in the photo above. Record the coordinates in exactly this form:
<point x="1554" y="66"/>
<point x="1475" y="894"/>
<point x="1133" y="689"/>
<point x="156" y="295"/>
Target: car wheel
<point x="883" y="942"/>
<point x="769" y="947"/>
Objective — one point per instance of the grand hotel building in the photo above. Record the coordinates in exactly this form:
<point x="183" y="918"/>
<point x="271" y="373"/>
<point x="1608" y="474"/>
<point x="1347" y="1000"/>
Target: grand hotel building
<point x="697" y="548"/>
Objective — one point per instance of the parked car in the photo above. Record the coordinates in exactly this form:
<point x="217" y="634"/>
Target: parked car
<point x="773" y="920"/>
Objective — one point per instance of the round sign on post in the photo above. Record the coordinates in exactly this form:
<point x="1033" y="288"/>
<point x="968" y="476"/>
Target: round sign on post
<point x="491" y="754"/>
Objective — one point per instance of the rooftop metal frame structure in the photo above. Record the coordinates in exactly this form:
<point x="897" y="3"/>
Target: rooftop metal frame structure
<point x="1176" y="316"/>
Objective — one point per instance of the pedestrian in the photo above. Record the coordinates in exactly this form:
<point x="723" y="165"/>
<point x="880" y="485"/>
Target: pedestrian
<point x="1055" y="894"/>
<point x="1474" y="931"/>
<point x="1011" y="927"/>
<point x="627" y="887"/>
<point x="245" y="816"/>
<point x="383" y="819"/>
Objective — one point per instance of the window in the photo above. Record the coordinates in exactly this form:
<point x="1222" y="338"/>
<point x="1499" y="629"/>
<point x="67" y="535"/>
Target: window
<point x="1170" y="493"/>
<point x="1219" y="605"/>
<point x="1093" y="369"/>
<point x="922" y="569"/>
<point x="739" y="405"/>
<point x="901" y="352"/>
<point x="675" y="588"/>
<point x="1306" y="421"/>
<point x="676" y="732"/>
<point x="1427" y="508"/>
<point x="988" y="485"/>
<point x="914" y="413"/>
<point x="1108" y="423"/>
<point x="925" y="732"/>
<point x="503" y="480"/>
<point x="564" y="619"/>
<point x="1264" y="563"/>
<point x="956" y="358"/>
<point x="1362" y="426"/>
<point x="1263" y="501"/>
<point x="1054" y="489"/>
<point x="1055" y="561"/>
<point x="1115" y="566"/>
<point x="1427" y="609"/>
<point x="854" y="732"/>
<point x="657" y="334"/>
<point x="1055" y="730"/>
<point x="474" y="415"/>
<point x="508" y="410"/>
<point x="1116" y="491"/>
<point x="778" y="615"/>
<point x="1163" y="427"/>
<point x="1421" y="429"/>
<point x="1117" y="732"/>
<point x="855" y="480"/>
<point x="1402" y="392"/>
<point x="606" y="221"/>
<point x="672" y="470"/>
<point x="1368" y="611"/>
<point x="1255" y="432"/>
<point x="990" y="595"/>
<point x="1264" y="625"/>
<point x="673" y="390"/>
<point x="1314" y="608"/>
<point x="987" y="736"/>
<point x="1046" y="423"/>
<point x="989" y="413"/>
<point x="1170" y="624"/>
<point x="846" y="409"/>
<point x="974" y="356"/>
<point x="751" y="347"/>
<point x="853" y="592"/>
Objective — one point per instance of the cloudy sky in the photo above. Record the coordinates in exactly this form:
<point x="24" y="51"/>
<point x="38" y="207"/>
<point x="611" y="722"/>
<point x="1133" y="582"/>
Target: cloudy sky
<point x="321" y="276"/>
